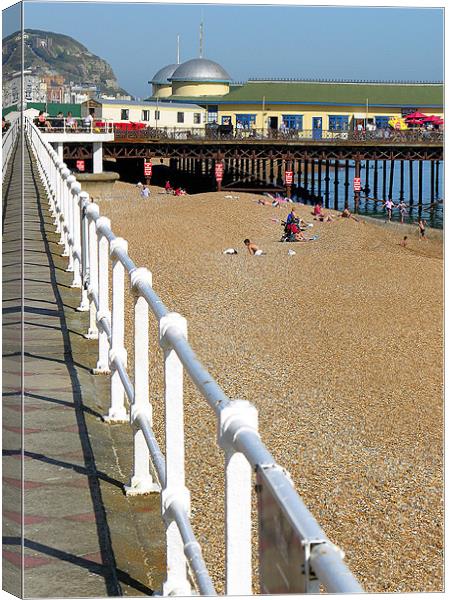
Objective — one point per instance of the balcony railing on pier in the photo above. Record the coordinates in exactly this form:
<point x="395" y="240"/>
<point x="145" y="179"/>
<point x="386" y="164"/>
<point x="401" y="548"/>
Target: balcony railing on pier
<point x="308" y="559"/>
<point x="379" y="136"/>
<point x="141" y="132"/>
<point x="73" y="125"/>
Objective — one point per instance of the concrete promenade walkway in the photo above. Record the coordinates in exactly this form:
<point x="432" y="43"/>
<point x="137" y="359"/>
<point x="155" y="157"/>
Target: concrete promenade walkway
<point x="82" y="536"/>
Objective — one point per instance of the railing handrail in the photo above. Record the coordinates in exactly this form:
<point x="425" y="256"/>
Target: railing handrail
<point x="90" y="243"/>
<point x="8" y="143"/>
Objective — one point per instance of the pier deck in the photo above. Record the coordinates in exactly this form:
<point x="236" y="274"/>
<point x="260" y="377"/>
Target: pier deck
<point x="82" y="536"/>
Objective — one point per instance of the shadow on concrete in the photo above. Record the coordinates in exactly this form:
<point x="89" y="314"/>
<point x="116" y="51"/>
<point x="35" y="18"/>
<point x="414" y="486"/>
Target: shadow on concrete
<point x="65" y="465"/>
<point x="90" y="565"/>
<point x="108" y="566"/>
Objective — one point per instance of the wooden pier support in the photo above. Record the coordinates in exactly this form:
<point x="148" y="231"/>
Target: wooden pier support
<point x="432" y="196"/>
<point x="402" y="180"/>
<point x="312" y="177"/>
<point x="391" y="179"/>
<point x="299" y="172"/>
<point x="279" y="172"/>
<point x="366" y="179"/>
<point x="327" y="183"/>
<point x="319" y="178"/>
<point x="346" y="184"/>
<point x="375" y="179"/>
<point x="384" y="179"/>
<point x="411" y="182"/>
<point x="420" y="186"/>
<point x="336" y="184"/>
<point x="436" y="193"/>
<point x="305" y="175"/>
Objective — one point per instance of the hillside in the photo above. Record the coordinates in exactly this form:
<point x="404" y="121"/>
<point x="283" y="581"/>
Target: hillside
<point x="49" y="53"/>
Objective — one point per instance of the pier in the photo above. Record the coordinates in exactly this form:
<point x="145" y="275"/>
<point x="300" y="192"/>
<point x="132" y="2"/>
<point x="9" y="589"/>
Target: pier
<point x="260" y="158"/>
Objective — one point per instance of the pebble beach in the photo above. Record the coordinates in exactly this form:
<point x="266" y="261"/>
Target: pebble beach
<point x="340" y="348"/>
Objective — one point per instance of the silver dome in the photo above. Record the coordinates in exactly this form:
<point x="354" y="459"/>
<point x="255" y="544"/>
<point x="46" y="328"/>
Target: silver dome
<point x="200" y="69"/>
<point x="164" y="74"/>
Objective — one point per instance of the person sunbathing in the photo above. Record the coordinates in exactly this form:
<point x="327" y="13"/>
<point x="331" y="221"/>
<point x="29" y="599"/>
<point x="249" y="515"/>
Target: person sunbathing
<point x="253" y="248"/>
<point x="317" y="212"/>
<point x="346" y="214"/>
<point x="326" y="218"/>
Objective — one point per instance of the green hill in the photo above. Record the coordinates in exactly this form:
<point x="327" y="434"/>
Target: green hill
<point x="49" y="53"/>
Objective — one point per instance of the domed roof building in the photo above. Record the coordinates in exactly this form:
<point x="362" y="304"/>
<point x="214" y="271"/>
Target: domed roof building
<point x="200" y="69"/>
<point x="200" y="77"/>
<point x="161" y="86"/>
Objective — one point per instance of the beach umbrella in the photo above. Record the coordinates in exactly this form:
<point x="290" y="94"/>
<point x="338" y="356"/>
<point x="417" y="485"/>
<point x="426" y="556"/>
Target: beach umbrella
<point x="415" y="115"/>
<point x="433" y="119"/>
<point x="416" y="121"/>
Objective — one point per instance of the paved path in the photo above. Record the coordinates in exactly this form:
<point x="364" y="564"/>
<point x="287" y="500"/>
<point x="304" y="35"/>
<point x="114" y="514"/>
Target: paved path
<point x="82" y="536"/>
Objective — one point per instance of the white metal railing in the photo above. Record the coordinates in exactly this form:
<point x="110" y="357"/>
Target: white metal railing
<point x="74" y="125"/>
<point x="89" y="243"/>
<point x="8" y="143"/>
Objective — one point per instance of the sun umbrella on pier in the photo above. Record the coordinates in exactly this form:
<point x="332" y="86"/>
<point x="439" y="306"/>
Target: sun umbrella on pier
<point x="416" y="121"/>
<point x="415" y="115"/>
<point x="434" y="119"/>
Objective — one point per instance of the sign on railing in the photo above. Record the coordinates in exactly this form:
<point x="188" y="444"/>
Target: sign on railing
<point x="295" y="554"/>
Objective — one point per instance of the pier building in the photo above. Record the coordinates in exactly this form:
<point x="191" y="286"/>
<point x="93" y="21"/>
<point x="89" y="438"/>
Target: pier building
<point x="299" y="104"/>
<point x="181" y="115"/>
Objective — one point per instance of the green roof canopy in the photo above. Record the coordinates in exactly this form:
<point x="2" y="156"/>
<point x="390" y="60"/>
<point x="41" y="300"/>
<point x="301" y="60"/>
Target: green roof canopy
<point x="330" y="93"/>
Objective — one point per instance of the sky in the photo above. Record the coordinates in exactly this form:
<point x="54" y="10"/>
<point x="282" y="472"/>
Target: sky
<point x="250" y="41"/>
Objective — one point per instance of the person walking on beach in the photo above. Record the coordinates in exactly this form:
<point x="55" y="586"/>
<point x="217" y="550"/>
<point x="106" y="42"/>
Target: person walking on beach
<point x="389" y="206"/>
<point x="253" y="248"/>
<point x="403" y="210"/>
<point x="422" y="225"/>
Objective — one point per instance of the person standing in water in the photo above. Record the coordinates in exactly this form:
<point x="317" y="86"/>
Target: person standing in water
<point x="422" y="225"/>
<point x="389" y="206"/>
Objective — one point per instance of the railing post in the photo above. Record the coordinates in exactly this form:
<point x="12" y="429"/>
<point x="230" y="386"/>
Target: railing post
<point x="63" y="205"/>
<point x="75" y="190"/>
<point x="83" y="202"/>
<point x="117" y="412"/>
<point x="57" y="202"/>
<point x="92" y="214"/>
<point x="103" y="298"/>
<point x="238" y="489"/>
<point x="69" y="221"/>
<point x="176" y="582"/>
<point x="141" y="481"/>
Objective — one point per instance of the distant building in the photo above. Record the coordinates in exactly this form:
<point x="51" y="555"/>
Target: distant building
<point x="35" y="90"/>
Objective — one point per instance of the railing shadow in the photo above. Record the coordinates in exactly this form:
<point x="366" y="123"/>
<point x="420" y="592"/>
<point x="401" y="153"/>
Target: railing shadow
<point x="108" y="569"/>
<point x="90" y="565"/>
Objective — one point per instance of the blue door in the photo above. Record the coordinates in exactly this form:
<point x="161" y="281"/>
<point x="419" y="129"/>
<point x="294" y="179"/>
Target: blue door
<point x="317" y="128"/>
